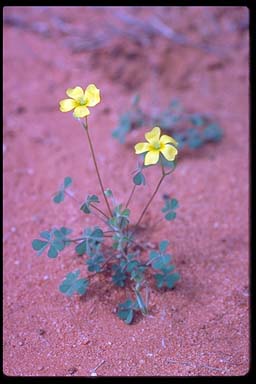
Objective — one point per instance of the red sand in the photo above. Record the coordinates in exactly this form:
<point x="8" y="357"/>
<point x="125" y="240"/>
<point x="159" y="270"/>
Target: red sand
<point x="202" y="326"/>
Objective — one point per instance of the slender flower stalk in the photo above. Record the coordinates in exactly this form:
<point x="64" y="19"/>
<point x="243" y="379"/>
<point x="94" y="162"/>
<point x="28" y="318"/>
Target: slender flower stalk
<point x="164" y="174"/>
<point x="85" y="125"/>
<point x="150" y="200"/>
<point x="131" y="195"/>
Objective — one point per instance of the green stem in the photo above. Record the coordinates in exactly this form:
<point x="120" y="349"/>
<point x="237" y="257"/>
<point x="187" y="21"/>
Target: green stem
<point x="150" y="201"/>
<point x="96" y="165"/>
<point x="99" y="210"/>
<point x="130" y="197"/>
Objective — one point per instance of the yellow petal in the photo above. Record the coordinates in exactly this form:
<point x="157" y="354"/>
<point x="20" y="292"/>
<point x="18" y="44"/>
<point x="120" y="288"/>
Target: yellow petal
<point x="169" y="152"/>
<point x="67" y="105"/>
<point x="153" y="136"/>
<point x="168" y="139"/>
<point x="75" y="93"/>
<point x="92" y="95"/>
<point x="151" y="157"/>
<point x="81" y="111"/>
<point x="141" y="147"/>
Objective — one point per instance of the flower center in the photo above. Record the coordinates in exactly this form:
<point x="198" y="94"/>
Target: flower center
<point x="82" y="101"/>
<point x="156" y="145"/>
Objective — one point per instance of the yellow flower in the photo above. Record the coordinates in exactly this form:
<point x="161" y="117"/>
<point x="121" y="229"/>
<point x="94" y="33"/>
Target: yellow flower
<point x="156" y="145"/>
<point x="80" y="100"/>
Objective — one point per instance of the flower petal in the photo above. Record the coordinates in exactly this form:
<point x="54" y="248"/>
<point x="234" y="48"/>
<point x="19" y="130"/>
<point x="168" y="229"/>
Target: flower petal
<point x="92" y="95"/>
<point x="75" y="93"/>
<point x="67" y="105"/>
<point x="151" y="157"/>
<point x="168" y="139"/>
<point x="169" y="152"/>
<point x="141" y="147"/>
<point x="81" y="111"/>
<point x="153" y="136"/>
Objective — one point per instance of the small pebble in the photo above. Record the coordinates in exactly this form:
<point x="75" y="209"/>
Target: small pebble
<point x="21" y="343"/>
<point x="72" y="370"/>
<point x="46" y="277"/>
<point x="94" y="374"/>
<point x="41" y="332"/>
<point x="40" y="368"/>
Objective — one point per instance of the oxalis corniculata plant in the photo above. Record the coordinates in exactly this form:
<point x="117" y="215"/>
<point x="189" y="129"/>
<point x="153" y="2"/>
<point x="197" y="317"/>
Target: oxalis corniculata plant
<point x="125" y="255"/>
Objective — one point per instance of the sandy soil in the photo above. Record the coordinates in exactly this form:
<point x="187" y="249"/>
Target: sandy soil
<point x="201" y="328"/>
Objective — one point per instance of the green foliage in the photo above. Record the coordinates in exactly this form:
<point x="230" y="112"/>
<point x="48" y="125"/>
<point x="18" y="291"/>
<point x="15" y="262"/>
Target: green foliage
<point x="160" y="260"/>
<point x="55" y="241"/>
<point x="166" y="279"/>
<point x="120" y="275"/>
<point x="169" y="208"/>
<point x="60" y="195"/>
<point x="85" y="207"/>
<point x="94" y="261"/>
<point x="139" y="179"/>
<point x="191" y="130"/>
<point x="120" y="218"/>
<point x="108" y="192"/>
<point x="129" y="120"/>
<point x="113" y="249"/>
<point x="91" y="241"/>
<point x="126" y="310"/>
<point x="72" y="284"/>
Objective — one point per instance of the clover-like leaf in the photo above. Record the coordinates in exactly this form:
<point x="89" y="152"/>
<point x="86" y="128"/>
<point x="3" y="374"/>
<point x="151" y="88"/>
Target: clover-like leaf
<point x="125" y="311"/>
<point x="56" y="240"/>
<point x="94" y="262"/>
<point x="72" y="284"/>
<point x="169" y="208"/>
<point x="120" y="218"/>
<point x="166" y="279"/>
<point x="119" y="276"/>
<point x="197" y="119"/>
<point x="124" y="126"/>
<point x="92" y="239"/>
<point x="159" y="260"/>
<point x="67" y="182"/>
<point x="85" y="207"/>
<point x="194" y="138"/>
<point x="163" y="245"/>
<point x="60" y="195"/>
<point x="212" y="132"/>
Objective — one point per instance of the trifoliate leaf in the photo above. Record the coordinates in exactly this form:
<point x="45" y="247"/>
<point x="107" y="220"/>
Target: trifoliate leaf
<point x="52" y="252"/>
<point x="163" y="245"/>
<point x="72" y="284"/>
<point x="85" y="207"/>
<point x="170" y="216"/>
<point x="126" y="311"/>
<point x="38" y="244"/>
<point x="59" y="197"/>
<point x="56" y="240"/>
<point x="172" y="279"/>
<point x="169" y="208"/>
<point x="67" y="182"/>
